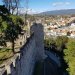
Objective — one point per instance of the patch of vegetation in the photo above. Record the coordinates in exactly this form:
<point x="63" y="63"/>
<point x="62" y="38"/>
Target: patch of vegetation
<point x="10" y="27"/>
<point x="56" y="44"/>
<point x="65" y="48"/>
<point x="5" y="54"/>
<point x="70" y="56"/>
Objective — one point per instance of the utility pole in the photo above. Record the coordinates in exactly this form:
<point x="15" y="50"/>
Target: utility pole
<point x="26" y="17"/>
<point x="26" y="7"/>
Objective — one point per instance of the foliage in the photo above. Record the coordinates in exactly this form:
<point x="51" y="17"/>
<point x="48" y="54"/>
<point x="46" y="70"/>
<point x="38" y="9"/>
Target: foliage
<point x="50" y="44"/>
<point x="3" y="10"/>
<point x="61" y="42"/>
<point x="14" y="28"/>
<point x="70" y="56"/>
<point x="11" y="32"/>
<point x="0" y="19"/>
<point x="49" y="41"/>
<point x="10" y="28"/>
<point x="2" y="41"/>
<point x="5" y="54"/>
<point x="3" y="25"/>
<point x="16" y="20"/>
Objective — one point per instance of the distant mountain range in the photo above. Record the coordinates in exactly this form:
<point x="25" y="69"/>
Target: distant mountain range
<point x="59" y="12"/>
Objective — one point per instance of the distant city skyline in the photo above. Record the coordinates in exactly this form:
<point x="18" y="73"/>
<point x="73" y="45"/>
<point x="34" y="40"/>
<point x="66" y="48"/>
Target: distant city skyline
<point x="37" y="6"/>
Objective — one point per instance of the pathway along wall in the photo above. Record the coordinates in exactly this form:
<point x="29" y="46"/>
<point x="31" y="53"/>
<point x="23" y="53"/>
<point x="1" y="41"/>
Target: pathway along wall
<point x="32" y="51"/>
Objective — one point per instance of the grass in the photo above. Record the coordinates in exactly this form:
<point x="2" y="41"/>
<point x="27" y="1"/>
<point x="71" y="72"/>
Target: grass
<point x="38" y="68"/>
<point x="25" y="28"/>
<point x="5" y="54"/>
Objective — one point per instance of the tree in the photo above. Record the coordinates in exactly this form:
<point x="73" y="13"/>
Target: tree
<point x="7" y="4"/>
<point x="12" y="5"/>
<point x="70" y="56"/>
<point x="50" y="44"/>
<point x="14" y="29"/>
<point x="17" y="5"/>
<point x="3" y="10"/>
<point x="3" y="24"/>
<point x="61" y="42"/>
<point x="2" y="42"/>
<point x="9" y="28"/>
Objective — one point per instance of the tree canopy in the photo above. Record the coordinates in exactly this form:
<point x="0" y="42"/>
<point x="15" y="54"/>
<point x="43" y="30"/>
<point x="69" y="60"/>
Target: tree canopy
<point x="70" y="56"/>
<point x="61" y="42"/>
<point x="10" y="27"/>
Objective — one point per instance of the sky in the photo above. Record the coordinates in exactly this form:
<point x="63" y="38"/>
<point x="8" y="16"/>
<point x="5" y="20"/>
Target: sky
<point x="48" y="5"/>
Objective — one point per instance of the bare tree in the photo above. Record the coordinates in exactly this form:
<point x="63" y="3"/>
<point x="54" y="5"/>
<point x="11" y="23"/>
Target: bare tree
<point x="17" y="5"/>
<point x="7" y="4"/>
<point x="11" y="5"/>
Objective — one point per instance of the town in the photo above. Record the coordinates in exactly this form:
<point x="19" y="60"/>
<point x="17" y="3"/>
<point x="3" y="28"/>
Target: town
<point x="60" y="25"/>
<point x="37" y="40"/>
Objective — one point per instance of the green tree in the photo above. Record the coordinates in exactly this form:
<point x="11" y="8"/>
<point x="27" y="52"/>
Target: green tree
<point x="10" y="27"/>
<point x="49" y="43"/>
<point x="3" y="10"/>
<point x="70" y="56"/>
<point x="61" y="42"/>
<point x="14" y="29"/>
<point x="3" y="24"/>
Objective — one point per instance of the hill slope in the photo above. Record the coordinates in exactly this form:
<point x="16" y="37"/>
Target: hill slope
<point x="59" y="12"/>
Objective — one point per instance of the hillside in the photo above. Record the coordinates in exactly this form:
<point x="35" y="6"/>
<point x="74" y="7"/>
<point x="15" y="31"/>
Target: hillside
<point x="59" y="12"/>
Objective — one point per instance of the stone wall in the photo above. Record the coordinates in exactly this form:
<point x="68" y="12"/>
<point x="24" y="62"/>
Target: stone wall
<point x="23" y="63"/>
